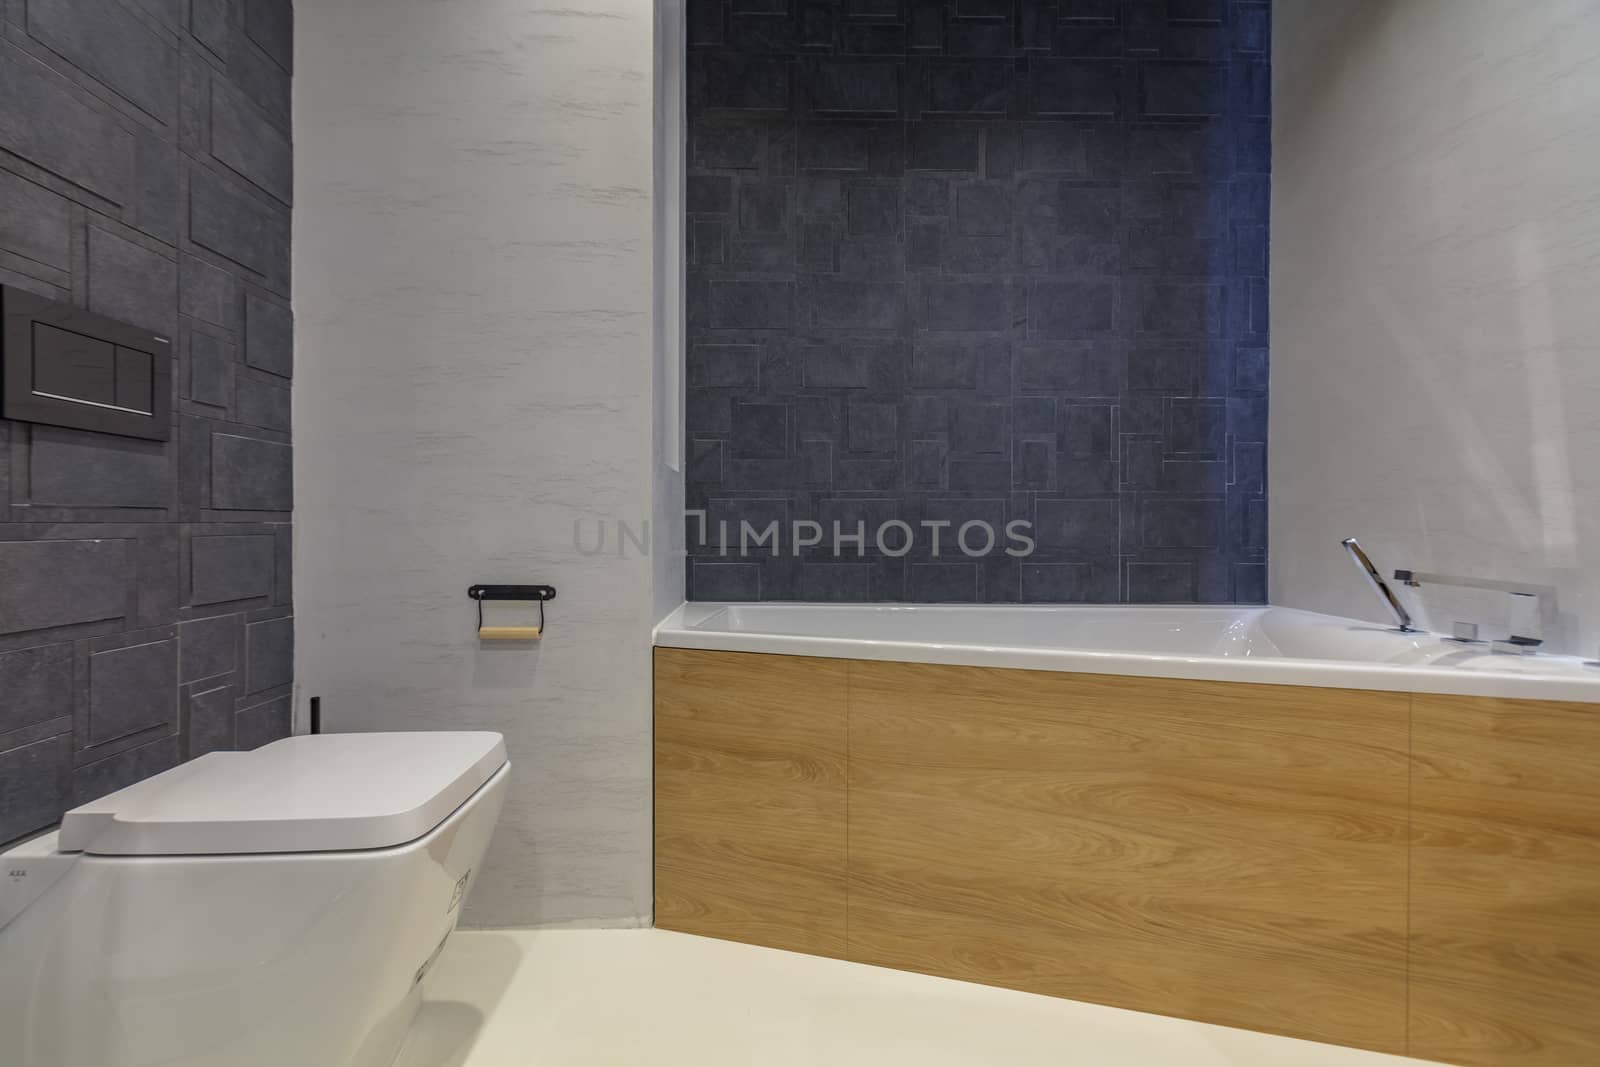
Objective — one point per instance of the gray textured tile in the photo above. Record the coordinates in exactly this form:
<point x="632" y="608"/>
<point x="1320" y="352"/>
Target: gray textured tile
<point x="1069" y="583"/>
<point x="106" y="41"/>
<point x="726" y="146"/>
<point x="157" y="205"/>
<point x="834" y="582"/>
<point x="760" y="431"/>
<point x="1051" y="148"/>
<point x="1076" y="368"/>
<point x="966" y="306"/>
<point x="1087" y="307"/>
<point x="983" y="209"/>
<point x="33" y="786"/>
<point x="37" y="683"/>
<point x="956" y="87"/>
<point x="763" y="207"/>
<point x="211" y="721"/>
<point x="1183" y="89"/>
<point x="259" y="403"/>
<point x="1073" y="88"/>
<point x="948" y="583"/>
<point x="208" y="293"/>
<point x="842" y="86"/>
<point x="1197" y="426"/>
<point x="225" y="568"/>
<point x="936" y="146"/>
<point x="751" y="305"/>
<point x="208" y="647"/>
<point x="708" y="194"/>
<point x="1161" y="583"/>
<point x="873" y="427"/>
<point x="853" y="305"/>
<point x="75" y="468"/>
<point x="872" y="208"/>
<point x="131" y="283"/>
<point x="236" y="226"/>
<point x="247" y="143"/>
<point x="119" y="107"/>
<point x="746" y="83"/>
<point x="283" y="564"/>
<point x="248" y="474"/>
<point x="944" y="365"/>
<point x="725" y="581"/>
<point x="268" y="336"/>
<point x="840" y="366"/>
<point x="1078" y="529"/>
<point x="269" y="654"/>
<point x="211" y="370"/>
<point x="131" y="689"/>
<point x="270" y="24"/>
<point x="263" y="723"/>
<point x="833" y="146"/>
<point x="1177" y="523"/>
<point x="46" y="122"/>
<point x="94" y="780"/>
<point x="34" y="222"/>
<point x="724" y="366"/>
<point x="59" y="583"/>
<point x="1060" y="310"/>
<point x="979" y="428"/>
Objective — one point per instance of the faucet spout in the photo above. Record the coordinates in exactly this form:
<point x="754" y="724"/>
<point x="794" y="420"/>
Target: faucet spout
<point x="1363" y="563"/>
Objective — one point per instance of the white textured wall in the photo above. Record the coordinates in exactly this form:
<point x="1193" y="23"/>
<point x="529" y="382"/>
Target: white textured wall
<point x="1436" y="297"/>
<point x="473" y="273"/>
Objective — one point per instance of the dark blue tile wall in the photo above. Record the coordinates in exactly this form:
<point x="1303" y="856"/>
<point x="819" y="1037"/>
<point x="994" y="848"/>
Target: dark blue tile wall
<point x="984" y="260"/>
<point x="145" y="586"/>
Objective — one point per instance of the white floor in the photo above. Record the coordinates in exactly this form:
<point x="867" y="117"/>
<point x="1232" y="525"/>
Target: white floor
<point x="596" y="998"/>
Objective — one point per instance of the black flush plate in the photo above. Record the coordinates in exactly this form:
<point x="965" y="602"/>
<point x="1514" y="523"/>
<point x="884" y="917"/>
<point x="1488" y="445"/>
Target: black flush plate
<point x="66" y="367"/>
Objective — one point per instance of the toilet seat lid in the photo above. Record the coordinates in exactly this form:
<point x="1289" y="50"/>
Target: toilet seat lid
<point x="313" y="793"/>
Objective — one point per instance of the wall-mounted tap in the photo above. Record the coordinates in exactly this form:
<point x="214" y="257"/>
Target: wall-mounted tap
<point x="1363" y="563"/>
<point x="1526" y="606"/>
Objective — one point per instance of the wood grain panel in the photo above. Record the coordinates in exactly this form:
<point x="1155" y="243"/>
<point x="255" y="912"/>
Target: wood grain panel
<point x="1505" y="882"/>
<point x="750" y="798"/>
<point x="1235" y="854"/>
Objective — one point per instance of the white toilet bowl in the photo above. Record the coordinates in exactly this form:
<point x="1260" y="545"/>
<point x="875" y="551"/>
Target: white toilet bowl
<point x="247" y="909"/>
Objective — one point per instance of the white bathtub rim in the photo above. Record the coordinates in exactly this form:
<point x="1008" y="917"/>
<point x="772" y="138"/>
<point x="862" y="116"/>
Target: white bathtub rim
<point x="677" y="631"/>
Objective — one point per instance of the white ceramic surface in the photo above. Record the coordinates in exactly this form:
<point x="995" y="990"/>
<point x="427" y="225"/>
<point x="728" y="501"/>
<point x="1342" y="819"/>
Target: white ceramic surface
<point x="312" y="793"/>
<point x="230" y="961"/>
<point x="1244" y="644"/>
<point x="625" y="998"/>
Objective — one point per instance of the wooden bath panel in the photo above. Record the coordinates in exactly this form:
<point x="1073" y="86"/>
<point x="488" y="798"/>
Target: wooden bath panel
<point x="1229" y="853"/>
<point x="1505" y="882"/>
<point x="750" y="798"/>
<point x="1411" y="874"/>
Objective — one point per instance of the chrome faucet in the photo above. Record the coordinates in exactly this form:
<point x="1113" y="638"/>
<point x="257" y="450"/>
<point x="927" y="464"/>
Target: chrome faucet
<point x="1402" y="617"/>
<point x="1526" y="607"/>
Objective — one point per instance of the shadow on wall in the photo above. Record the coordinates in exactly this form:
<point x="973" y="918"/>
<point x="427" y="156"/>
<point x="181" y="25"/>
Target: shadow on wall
<point x="991" y="262"/>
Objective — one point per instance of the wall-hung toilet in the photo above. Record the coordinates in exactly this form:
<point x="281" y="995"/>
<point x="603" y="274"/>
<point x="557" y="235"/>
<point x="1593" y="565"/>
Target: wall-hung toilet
<point x="275" y="907"/>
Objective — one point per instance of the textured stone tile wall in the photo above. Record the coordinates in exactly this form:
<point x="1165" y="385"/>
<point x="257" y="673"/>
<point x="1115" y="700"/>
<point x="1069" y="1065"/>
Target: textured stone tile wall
<point x="993" y="260"/>
<point x="145" y="174"/>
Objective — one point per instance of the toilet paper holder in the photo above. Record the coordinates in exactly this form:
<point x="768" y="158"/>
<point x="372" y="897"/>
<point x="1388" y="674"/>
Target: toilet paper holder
<point x="528" y="593"/>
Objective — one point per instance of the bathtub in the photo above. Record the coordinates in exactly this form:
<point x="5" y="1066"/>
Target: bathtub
<point x="1239" y="644"/>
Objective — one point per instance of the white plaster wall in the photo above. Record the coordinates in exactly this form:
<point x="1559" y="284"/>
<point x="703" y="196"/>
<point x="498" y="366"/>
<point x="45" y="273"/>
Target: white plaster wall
<point x="1436" y="298"/>
<point x="473" y="284"/>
